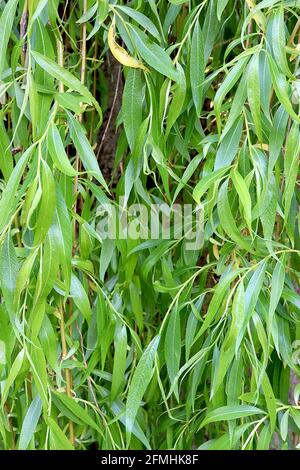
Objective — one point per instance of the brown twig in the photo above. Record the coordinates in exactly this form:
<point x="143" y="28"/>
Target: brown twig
<point x="23" y="29"/>
<point x="94" y="89"/>
<point x="110" y="113"/>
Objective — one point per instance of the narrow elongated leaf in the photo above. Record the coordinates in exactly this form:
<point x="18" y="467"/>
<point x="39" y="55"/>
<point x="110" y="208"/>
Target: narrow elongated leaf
<point x="227" y="220"/>
<point x="6" y="23"/>
<point x="226" y="413"/>
<point x="58" y="440"/>
<point x="120" y="343"/>
<point x="80" y="298"/>
<point x="206" y="182"/>
<point x="197" y="67"/>
<point x="30" y="422"/>
<point x="244" y="196"/>
<point x="132" y="105"/>
<point x="139" y="383"/>
<point x="8" y="199"/>
<point x="229" y="145"/>
<point x="227" y="85"/>
<point x="172" y="345"/>
<point x="253" y="90"/>
<point x="78" y="411"/>
<point x="56" y="71"/>
<point x="8" y="272"/>
<point x="85" y="150"/>
<point x="282" y="89"/>
<point x="57" y="152"/>
<point x="153" y="54"/>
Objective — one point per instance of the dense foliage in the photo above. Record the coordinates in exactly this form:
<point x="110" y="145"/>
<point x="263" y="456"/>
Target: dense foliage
<point x="124" y="343"/>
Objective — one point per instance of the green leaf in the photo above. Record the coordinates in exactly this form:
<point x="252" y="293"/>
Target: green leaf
<point x="253" y="90"/>
<point x="244" y="195"/>
<point x="6" y="23"/>
<point x="9" y="198"/>
<point x="80" y="298"/>
<point x="197" y="67"/>
<point x="88" y="14"/>
<point x="279" y="41"/>
<point x="153" y="54"/>
<point x="238" y="312"/>
<point x="58" y="440"/>
<point x="48" y="341"/>
<point x="132" y="105"/>
<point x="281" y="89"/>
<point x="139" y="383"/>
<point x="284" y="425"/>
<point x="60" y="73"/>
<point x="276" y="136"/>
<point x="270" y="401"/>
<point x="221" y="5"/>
<point x="179" y="93"/>
<point x="63" y="235"/>
<point x="120" y="344"/>
<point x="57" y="152"/>
<point x="278" y="277"/>
<point x="229" y="145"/>
<point x="70" y="101"/>
<point x="226" y="413"/>
<point x="30" y="422"/>
<point x="172" y="346"/>
<point x="177" y="2"/>
<point x="47" y="205"/>
<point x="227" y="220"/>
<point x="141" y="19"/>
<point x="207" y="182"/>
<point x="38" y="365"/>
<point x="251" y="296"/>
<point x="217" y="298"/>
<point x="85" y="150"/>
<point x="13" y="373"/>
<point x="291" y="165"/>
<point x="229" y="82"/>
<point x="9" y="267"/>
<point x="77" y="410"/>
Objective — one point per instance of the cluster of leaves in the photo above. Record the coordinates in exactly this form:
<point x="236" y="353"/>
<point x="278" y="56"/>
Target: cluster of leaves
<point x="115" y="344"/>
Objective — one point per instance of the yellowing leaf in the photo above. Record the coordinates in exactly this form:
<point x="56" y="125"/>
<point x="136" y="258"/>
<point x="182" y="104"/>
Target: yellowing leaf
<point x="119" y="52"/>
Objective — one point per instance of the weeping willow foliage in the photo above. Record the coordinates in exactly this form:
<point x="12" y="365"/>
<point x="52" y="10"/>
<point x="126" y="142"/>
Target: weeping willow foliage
<point x="141" y="344"/>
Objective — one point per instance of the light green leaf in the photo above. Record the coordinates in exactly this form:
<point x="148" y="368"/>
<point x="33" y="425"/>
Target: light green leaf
<point x="139" y="383"/>
<point x="253" y="90"/>
<point x="62" y="74"/>
<point x="229" y="145"/>
<point x="172" y="346"/>
<point x="207" y="182"/>
<point x="77" y="410"/>
<point x="80" y="298"/>
<point x="153" y="54"/>
<point x="118" y="376"/>
<point x="132" y="105"/>
<point x="6" y="23"/>
<point x="243" y="194"/>
<point x="30" y="422"/>
<point x="197" y="67"/>
<point x="85" y="150"/>
<point x="9" y="267"/>
<point x="58" y="440"/>
<point x="226" y="413"/>
<point x="57" y="152"/>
